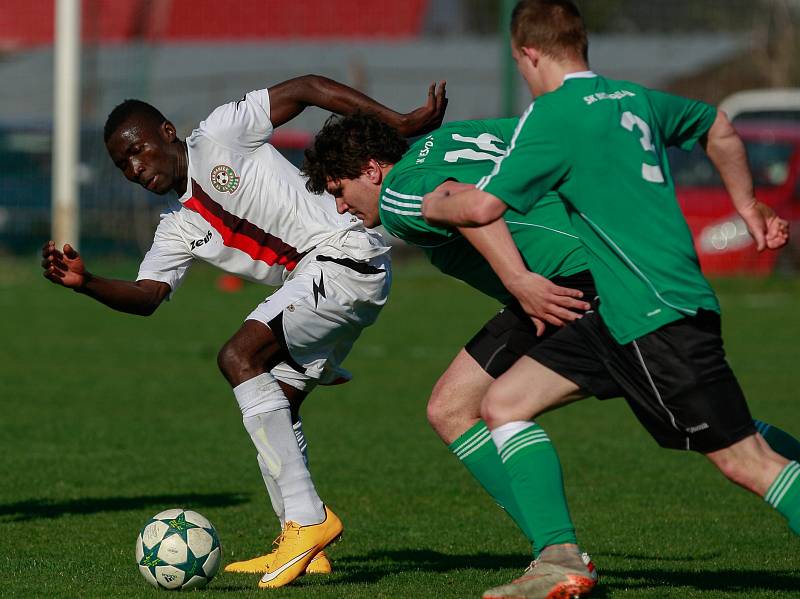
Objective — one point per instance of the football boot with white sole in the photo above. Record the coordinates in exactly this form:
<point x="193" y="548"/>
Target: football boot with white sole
<point x="546" y="580"/>
<point x="259" y="565"/>
<point x="297" y="546"/>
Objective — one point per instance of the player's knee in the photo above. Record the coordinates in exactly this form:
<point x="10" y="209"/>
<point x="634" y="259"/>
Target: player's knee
<point x="226" y="358"/>
<point x="443" y="418"/>
<point x="233" y="363"/>
<point x="452" y="409"/>
<point x="493" y="407"/>
<point x="438" y="408"/>
<point x="434" y="413"/>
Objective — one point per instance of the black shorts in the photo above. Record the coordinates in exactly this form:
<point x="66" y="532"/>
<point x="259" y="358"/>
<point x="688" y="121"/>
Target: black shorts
<point x="511" y="333"/>
<point x="675" y="379"/>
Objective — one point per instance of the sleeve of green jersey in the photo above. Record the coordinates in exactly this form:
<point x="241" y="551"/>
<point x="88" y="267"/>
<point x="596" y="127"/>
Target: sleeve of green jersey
<point x="534" y="163"/>
<point x="401" y="209"/>
<point x="683" y="121"/>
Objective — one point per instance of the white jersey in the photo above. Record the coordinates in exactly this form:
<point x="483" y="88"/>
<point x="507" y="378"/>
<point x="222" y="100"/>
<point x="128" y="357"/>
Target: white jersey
<point x="246" y="209"/>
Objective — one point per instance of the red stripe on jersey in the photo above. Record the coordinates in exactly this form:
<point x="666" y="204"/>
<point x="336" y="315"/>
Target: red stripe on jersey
<point x="241" y="234"/>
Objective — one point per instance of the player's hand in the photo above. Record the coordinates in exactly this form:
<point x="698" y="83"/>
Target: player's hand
<point x="546" y="302"/>
<point x="63" y="268"/>
<point x="428" y="117"/>
<point x="430" y="204"/>
<point x="767" y="228"/>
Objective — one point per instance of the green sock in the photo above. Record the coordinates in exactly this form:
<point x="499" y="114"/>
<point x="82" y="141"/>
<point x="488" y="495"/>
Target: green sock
<point x="535" y="472"/>
<point x="477" y="452"/>
<point x="784" y="495"/>
<point x="780" y="441"/>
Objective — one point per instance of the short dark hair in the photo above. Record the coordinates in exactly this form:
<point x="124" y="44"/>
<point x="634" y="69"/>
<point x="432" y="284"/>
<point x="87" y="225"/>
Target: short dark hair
<point x="555" y="27"/>
<point x="344" y="146"/>
<point x="127" y="110"/>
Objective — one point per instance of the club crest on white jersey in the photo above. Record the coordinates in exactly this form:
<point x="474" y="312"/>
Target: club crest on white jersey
<point x="224" y="179"/>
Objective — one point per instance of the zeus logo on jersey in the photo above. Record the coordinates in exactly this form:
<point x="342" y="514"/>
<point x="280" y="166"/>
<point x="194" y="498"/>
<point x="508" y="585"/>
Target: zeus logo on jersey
<point x="196" y="243"/>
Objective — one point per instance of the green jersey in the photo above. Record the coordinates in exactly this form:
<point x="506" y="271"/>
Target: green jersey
<point x="465" y="152"/>
<point x="602" y="146"/>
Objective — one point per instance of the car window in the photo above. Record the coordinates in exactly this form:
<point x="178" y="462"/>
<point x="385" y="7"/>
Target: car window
<point x="769" y="162"/>
<point x="768" y="115"/>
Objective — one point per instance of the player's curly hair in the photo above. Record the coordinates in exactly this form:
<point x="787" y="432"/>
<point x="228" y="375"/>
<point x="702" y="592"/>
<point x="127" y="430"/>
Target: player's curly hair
<point x="344" y="146"/>
<point x="128" y="109"/>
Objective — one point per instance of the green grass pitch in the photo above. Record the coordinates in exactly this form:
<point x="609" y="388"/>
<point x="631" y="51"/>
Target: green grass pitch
<point x="108" y="419"/>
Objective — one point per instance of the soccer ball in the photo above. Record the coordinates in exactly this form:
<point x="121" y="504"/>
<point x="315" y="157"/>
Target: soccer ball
<point x="178" y="549"/>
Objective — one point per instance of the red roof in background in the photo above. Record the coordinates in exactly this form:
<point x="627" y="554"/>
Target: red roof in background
<point x="30" y="22"/>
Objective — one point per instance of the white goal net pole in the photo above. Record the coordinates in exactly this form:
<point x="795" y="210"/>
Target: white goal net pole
<point x="66" y="122"/>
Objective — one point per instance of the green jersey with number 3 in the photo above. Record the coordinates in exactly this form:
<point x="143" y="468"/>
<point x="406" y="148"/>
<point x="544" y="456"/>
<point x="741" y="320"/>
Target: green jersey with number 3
<point x="465" y="152"/>
<point x="601" y="145"/>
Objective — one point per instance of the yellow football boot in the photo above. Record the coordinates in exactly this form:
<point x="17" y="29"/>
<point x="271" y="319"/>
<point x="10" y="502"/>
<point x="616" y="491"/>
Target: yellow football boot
<point x="258" y="565"/>
<point x="297" y="546"/>
<point x="319" y="565"/>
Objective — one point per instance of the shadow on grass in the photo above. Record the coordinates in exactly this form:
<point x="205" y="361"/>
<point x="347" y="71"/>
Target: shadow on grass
<point x="374" y="566"/>
<point x="32" y="509"/>
<point x="697" y="557"/>
<point x="710" y="580"/>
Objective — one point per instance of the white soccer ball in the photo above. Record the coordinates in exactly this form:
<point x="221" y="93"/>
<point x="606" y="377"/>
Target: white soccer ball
<point x="178" y="549"/>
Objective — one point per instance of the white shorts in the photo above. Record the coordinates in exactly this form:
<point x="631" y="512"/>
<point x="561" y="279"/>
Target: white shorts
<point x="320" y="311"/>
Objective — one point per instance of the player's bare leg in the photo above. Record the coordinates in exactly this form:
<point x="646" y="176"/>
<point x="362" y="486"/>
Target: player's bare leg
<point x="525" y="391"/>
<point x="751" y="463"/>
<point x="455" y="402"/>
<point x="454" y="412"/>
<point x="246" y="360"/>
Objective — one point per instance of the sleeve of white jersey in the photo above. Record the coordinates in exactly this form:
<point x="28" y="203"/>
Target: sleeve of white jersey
<point x="244" y="125"/>
<point x="169" y="258"/>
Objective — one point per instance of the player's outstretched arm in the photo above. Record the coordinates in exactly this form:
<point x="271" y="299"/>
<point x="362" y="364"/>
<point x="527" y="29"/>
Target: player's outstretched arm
<point x="726" y="150"/>
<point x="66" y="268"/>
<point x="290" y="98"/>
<point x="470" y="208"/>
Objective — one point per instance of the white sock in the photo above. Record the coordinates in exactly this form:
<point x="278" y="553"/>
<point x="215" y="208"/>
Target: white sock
<point x="505" y="431"/>
<point x="272" y="486"/>
<point x="301" y="439"/>
<point x="266" y="416"/>
<point x="274" y="491"/>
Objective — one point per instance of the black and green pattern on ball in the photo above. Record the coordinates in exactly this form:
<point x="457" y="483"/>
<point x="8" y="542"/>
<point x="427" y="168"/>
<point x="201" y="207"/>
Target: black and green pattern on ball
<point x="177" y="536"/>
<point x="192" y="566"/>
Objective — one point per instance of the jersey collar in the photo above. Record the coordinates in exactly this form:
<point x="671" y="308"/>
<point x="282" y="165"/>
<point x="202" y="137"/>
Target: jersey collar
<point x="580" y="75"/>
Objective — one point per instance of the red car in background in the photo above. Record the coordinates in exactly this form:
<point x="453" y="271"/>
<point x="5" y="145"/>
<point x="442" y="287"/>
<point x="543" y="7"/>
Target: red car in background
<point x="721" y="239"/>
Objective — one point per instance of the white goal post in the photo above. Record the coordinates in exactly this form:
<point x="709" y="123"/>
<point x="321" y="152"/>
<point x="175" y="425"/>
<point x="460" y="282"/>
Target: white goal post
<point x="66" y="123"/>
